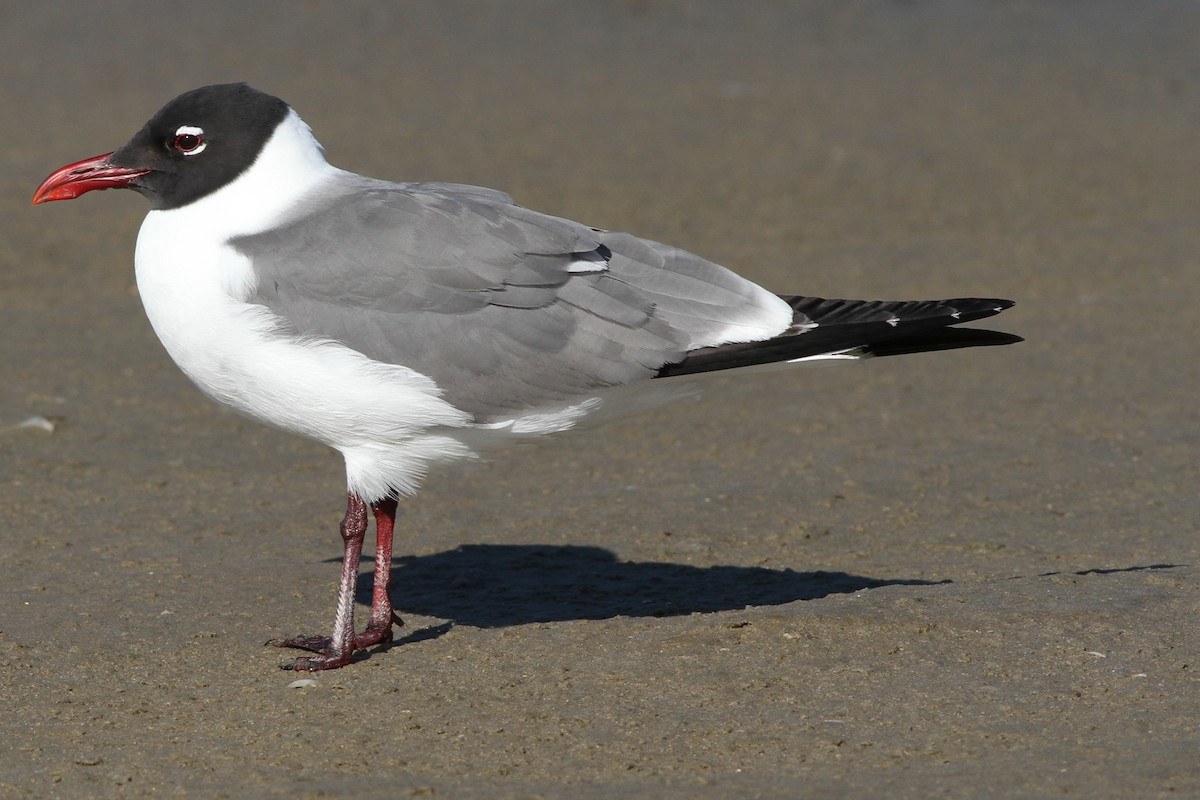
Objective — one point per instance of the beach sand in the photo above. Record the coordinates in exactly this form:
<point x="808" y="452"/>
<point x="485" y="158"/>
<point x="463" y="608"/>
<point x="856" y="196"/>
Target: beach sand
<point x="960" y="574"/>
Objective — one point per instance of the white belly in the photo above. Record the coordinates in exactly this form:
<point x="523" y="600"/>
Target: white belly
<point x="386" y="419"/>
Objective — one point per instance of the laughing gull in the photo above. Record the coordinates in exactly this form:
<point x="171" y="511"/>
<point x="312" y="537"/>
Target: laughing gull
<point x="409" y="325"/>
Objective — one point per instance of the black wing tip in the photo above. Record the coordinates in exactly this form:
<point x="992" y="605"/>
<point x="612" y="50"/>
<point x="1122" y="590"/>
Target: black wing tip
<point x="976" y="306"/>
<point x="969" y="309"/>
<point x="822" y="310"/>
<point x="875" y="327"/>
<point x="997" y="304"/>
<point x="948" y="338"/>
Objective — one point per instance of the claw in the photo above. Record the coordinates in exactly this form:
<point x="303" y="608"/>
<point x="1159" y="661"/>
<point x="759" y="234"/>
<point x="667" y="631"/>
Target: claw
<point x="317" y="663"/>
<point x="336" y="651"/>
<point x="314" y="644"/>
<point x="377" y="634"/>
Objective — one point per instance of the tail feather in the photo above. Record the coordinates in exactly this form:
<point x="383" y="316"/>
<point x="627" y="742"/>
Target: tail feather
<point x="856" y="328"/>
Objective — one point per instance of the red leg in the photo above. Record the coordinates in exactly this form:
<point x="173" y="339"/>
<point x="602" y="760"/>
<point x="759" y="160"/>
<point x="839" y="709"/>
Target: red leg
<point x="379" y="625"/>
<point x="336" y="651"/>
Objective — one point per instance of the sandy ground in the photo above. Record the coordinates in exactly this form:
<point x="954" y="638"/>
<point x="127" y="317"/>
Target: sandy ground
<point x="960" y="574"/>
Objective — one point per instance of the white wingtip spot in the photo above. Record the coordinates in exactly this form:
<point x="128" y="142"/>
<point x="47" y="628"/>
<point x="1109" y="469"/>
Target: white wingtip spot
<point x="583" y="267"/>
<point x="894" y="321"/>
<point x="590" y="262"/>
<point x="955" y="314"/>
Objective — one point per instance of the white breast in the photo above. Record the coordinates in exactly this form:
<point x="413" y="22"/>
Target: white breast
<point x="386" y="419"/>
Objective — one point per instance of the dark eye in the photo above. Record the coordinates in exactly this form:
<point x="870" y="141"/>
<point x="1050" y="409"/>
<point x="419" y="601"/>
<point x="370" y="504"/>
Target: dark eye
<point x="189" y="140"/>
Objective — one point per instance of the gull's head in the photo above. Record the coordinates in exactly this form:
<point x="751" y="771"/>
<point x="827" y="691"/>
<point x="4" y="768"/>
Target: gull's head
<point x="196" y="144"/>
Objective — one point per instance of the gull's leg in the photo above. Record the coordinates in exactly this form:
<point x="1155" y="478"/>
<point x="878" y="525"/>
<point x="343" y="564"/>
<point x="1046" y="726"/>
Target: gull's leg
<point x="379" y="625"/>
<point x="337" y="650"/>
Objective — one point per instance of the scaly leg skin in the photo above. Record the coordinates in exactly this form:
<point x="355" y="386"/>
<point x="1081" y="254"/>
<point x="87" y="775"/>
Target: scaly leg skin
<point x="379" y="624"/>
<point x="337" y="650"/>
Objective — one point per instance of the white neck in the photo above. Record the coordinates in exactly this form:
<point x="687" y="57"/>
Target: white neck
<point x="290" y="166"/>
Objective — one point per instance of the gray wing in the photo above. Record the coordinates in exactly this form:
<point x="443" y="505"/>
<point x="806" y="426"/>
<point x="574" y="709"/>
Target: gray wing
<point x="505" y="308"/>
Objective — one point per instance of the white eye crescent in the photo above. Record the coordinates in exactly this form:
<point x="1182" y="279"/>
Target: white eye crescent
<point x="189" y="140"/>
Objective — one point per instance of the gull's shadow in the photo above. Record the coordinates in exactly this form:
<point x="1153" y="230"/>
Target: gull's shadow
<point x="492" y="585"/>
